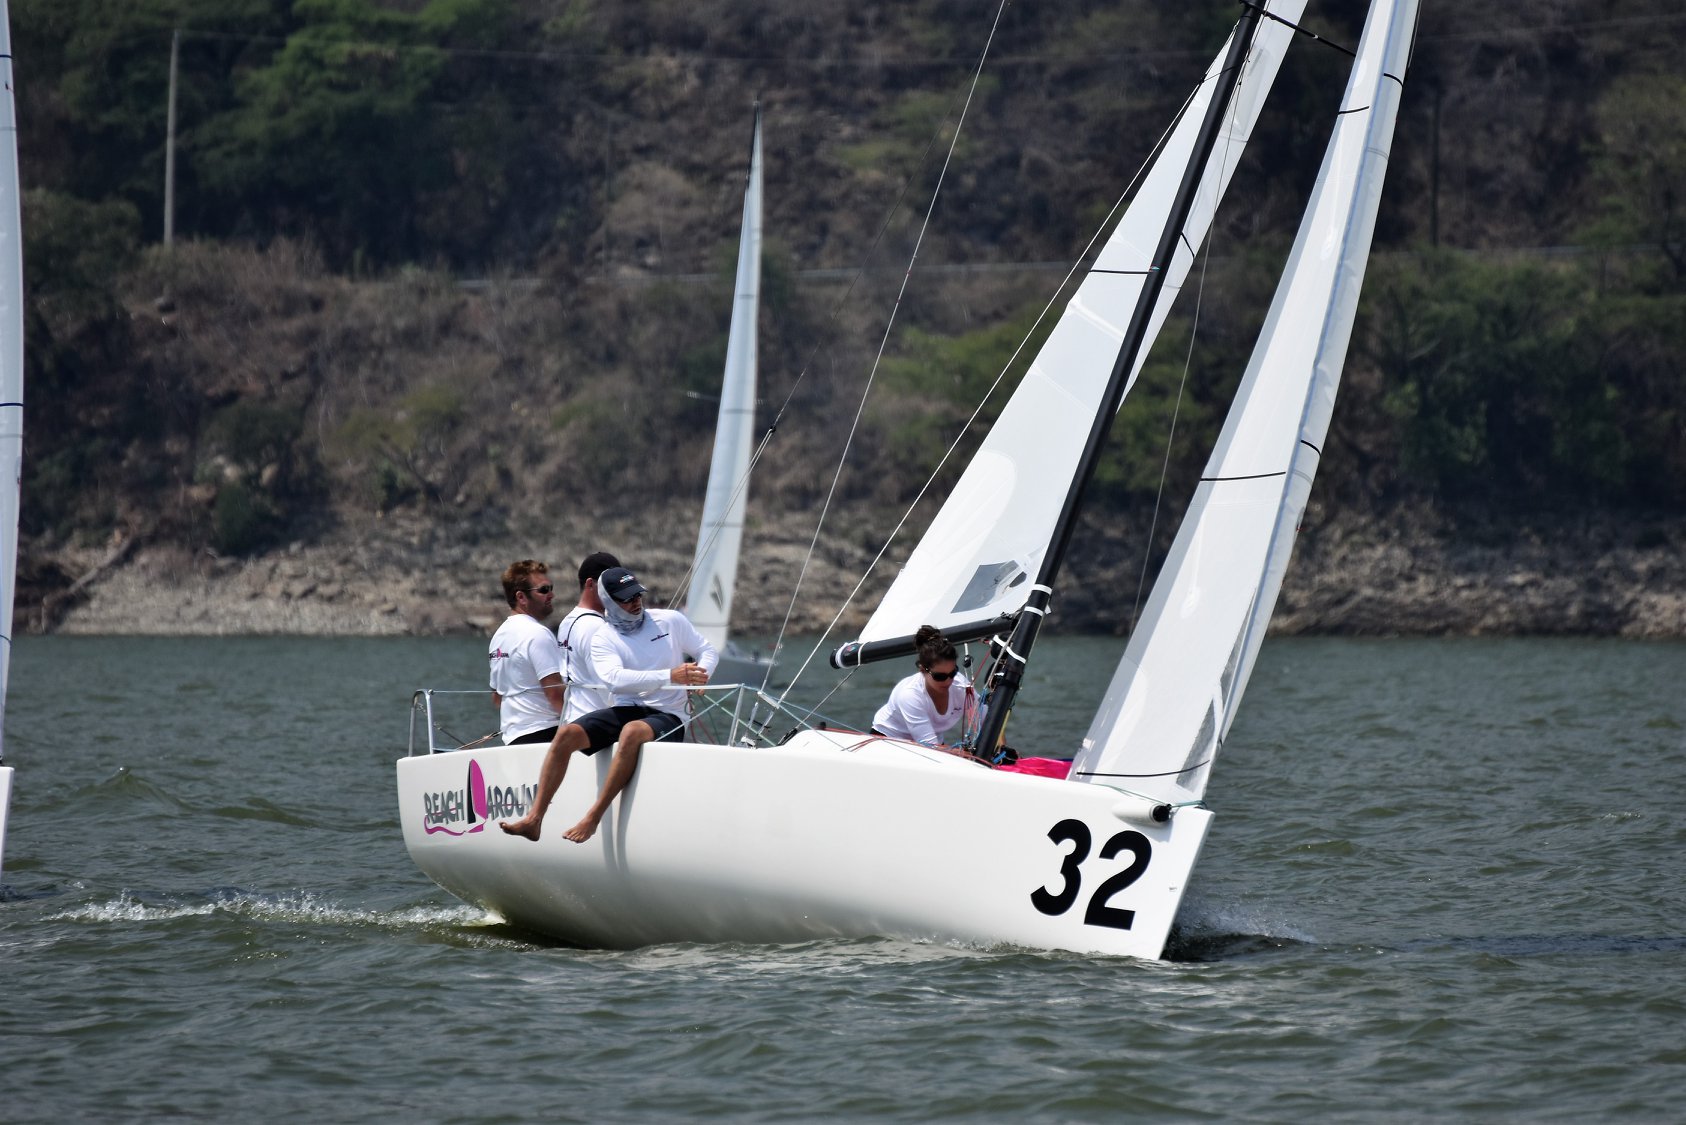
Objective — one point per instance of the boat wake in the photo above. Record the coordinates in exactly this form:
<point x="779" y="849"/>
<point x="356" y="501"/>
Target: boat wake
<point x="292" y="907"/>
<point x="1210" y="931"/>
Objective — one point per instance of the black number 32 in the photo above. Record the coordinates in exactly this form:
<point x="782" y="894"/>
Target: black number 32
<point x="1098" y="913"/>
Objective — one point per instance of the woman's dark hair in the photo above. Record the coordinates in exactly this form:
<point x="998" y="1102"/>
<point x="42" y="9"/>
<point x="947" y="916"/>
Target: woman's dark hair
<point x="933" y="646"/>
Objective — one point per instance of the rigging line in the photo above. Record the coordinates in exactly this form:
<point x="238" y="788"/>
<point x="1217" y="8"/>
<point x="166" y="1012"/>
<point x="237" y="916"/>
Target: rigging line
<point x="807" y="714"/>
<point x="1297" y="29"/>
<point x="658" y="58"/>
<point x="807" y="365"/>
<point x="1525" y="30"/>
<point x="801" y="376"/>
<point x="461" y="745"/>
<point x="1100" y="229"/>
<point x="1188" y="358"/>
<point x="883" y="341"/>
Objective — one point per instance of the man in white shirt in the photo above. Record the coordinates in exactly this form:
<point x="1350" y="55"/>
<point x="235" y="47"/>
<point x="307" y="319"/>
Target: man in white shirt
<point x="586" y="692"/>
<point x="640" y="655"/>
<point x="526" y="664"/>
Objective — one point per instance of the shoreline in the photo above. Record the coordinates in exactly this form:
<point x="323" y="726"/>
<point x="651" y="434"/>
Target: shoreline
<point x="414" y="579"/>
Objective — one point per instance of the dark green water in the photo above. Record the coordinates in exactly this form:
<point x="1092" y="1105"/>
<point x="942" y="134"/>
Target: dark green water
<point x="1444" y="883"/>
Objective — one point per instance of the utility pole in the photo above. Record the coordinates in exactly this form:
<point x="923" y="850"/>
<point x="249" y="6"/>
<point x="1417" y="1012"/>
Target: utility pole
<point x="608" y="183"/>
<point x="1434" y="177"/>
<point x="170" y="146"/>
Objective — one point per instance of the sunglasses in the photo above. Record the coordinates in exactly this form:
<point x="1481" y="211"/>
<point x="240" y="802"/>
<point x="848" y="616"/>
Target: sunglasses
<point x="942" y="677"/>
<point x="545" y="589"/>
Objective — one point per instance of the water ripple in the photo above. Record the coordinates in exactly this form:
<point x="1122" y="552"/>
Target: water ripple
<point x="1438" y="887"/>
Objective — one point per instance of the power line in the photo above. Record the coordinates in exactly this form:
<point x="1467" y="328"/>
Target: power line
<point x="879" y="60"/>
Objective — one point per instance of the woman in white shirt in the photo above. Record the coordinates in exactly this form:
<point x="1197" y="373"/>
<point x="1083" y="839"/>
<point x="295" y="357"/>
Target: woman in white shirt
<point x="936" y="699"/>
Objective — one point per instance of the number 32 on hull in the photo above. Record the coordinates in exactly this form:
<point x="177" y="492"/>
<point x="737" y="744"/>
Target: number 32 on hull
<point x="1109" y="884"/>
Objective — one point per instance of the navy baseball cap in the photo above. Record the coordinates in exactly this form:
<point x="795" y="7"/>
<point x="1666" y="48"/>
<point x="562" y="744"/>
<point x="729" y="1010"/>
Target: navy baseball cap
<point x="620" y="583"/>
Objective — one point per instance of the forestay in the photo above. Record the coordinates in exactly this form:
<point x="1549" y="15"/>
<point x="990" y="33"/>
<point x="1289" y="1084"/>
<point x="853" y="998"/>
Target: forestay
<point x="714" y="570"/>
<point x="1174" y="694"/>
<point x="976" y="560"/>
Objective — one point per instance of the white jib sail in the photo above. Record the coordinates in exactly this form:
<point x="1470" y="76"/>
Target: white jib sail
<point x="1173" y="695"/>
<point x="979" y="555"/>
<point x="11" y="382"/>
<point x="715" y="569"/>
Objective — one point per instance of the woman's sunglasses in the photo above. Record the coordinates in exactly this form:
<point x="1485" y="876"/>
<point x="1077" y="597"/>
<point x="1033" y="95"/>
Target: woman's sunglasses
<point x="941" y="677"/>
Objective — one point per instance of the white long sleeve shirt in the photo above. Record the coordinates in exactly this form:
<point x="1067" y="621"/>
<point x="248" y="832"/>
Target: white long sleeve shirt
<point x="636" y="667"/>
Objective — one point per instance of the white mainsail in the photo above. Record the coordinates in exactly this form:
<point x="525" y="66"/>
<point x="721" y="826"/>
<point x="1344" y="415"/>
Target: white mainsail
<point x="1174" y="693"/>
<point x="715" y="568"/>
<point x="11" y="385"/>
<point x="978" y="557"/>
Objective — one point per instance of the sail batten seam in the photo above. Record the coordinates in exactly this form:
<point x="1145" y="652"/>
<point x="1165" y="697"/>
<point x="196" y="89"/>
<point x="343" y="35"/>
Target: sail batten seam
<point x="1247" y="476"/>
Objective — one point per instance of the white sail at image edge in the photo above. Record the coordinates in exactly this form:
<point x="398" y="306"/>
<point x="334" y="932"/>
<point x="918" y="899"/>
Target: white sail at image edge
<point x="11" y="387"/>
<point x="977" y="558"/>
<point x="1176" y="689"/>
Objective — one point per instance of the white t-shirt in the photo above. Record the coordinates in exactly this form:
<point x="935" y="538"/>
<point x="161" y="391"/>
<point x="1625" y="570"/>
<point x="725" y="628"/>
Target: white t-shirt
<point x="910" y="715"/>
<point x="586" y="692"/>
<point x="522" y="653"/>
<point x="635" y="667"/>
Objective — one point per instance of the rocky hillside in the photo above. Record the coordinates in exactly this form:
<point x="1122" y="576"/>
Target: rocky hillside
<point x="485" y="319"/>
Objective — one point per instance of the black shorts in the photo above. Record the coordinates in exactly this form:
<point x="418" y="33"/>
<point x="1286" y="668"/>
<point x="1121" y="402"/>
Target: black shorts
<point x="544" y="736"/>
<point x="603" y="728"/>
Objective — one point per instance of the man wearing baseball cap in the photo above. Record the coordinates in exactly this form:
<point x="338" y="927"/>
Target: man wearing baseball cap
<point x="647" y="659"/>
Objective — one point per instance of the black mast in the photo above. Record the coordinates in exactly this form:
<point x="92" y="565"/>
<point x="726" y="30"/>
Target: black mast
<point x="1010" y="670"/>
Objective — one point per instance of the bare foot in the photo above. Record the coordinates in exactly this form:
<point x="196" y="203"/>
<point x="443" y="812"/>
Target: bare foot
<point x="527" y="826"/>
<point x="582" y="831"/>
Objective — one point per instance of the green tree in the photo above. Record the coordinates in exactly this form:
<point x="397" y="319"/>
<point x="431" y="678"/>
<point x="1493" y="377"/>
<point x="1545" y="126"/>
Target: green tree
<point x="94" y="87"/>
<point x="1495" y="373"/>
<point x="76" y="331"/>
<point x="335" y="132"/>
<point x="1640" y="167"/>
<point x="409" y="447"/>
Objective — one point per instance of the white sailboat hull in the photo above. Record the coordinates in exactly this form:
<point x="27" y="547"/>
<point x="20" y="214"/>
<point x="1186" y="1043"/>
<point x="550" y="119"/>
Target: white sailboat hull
<point x="832" y="835"/>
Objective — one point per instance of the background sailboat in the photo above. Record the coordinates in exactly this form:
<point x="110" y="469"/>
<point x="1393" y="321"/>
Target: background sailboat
<point x="831" y="833"/>
<point x="11" y="387"/>
<point x="714" y="568"/>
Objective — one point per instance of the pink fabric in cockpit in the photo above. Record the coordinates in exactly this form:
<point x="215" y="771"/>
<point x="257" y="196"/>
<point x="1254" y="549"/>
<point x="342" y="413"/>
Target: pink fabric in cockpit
<point x="1041" y="767"/>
